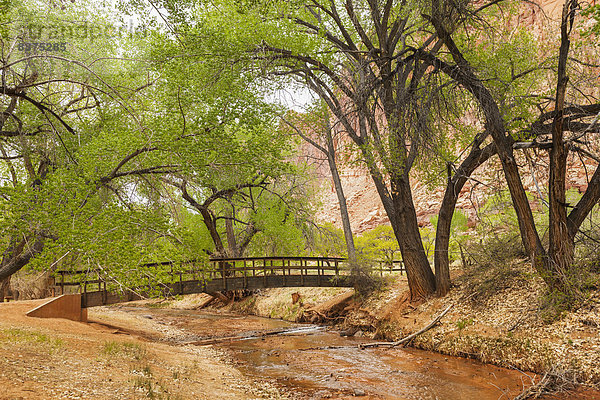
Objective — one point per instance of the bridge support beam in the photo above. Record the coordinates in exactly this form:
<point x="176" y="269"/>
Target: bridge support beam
<point x="66" y="306"/>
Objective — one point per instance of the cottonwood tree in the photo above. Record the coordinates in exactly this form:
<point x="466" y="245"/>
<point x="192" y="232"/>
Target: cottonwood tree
<point x="355" y="55"/>
<point x="62" y="181"/>
<point x="233" y="216"/>
<point x="90" y="137"/>
<point x="569" y="116"/>
<point x="234" y="161"/>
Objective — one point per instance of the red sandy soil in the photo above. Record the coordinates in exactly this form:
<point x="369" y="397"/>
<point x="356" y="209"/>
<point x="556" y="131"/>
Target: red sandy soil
<point x="112" y="357"/>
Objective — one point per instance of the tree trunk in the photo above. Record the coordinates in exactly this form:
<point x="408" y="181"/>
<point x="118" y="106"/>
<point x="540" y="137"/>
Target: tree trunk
<point x="212" y="230"/>
<point x="4" y="288"/>
<point x="403" y="219"/>
<point x="421" y="280"/>
<point x="20" y="256"/>
<point x="400" y="209"/>
<point x="455" y="184"/>
<point x="232" y="247"/>
<point x="441" y="259"/>
<point x="529" y="235"/>
<point x="328" y="149"/>
<point x="250" y="232"/>
<point x="585" y="205"/>
<point x="561" y="245"/>
<point x="207" y="218"/>
<point x="464" y="74"/>
<point x="339" y="190"/>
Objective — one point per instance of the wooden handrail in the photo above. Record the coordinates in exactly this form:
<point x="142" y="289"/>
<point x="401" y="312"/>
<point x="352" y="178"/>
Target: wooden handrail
<point x="222" y="269"/>
<point x="269" y="258"/>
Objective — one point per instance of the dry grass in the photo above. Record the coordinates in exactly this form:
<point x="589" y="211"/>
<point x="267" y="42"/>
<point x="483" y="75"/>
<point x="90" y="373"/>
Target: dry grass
<point x="31" y="285"/>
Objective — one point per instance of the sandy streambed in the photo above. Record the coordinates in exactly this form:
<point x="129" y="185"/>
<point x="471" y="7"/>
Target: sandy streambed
<point x="143" y="352"/>
<point x="316" y="363"/>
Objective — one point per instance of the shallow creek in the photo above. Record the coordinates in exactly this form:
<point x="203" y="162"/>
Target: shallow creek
<point x="298" y="360"/>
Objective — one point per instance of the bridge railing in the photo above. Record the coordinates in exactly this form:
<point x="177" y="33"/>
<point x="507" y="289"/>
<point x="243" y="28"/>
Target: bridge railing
<point x="78" y="278"/>
<point x="246" y="267"/>
<point x="215" y="269"/>
<point x="96" y="279"/>
<point x="389" y="267"/>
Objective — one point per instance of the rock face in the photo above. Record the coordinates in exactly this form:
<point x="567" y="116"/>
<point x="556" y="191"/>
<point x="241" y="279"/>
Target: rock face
<point x="367" y="212"/>
<point x="365" y="207"/>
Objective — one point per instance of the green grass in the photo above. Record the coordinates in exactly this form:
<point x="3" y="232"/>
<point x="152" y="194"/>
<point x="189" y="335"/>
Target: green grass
<point x="462" y="324"/>
<point x="150" y="386"/>
<point x="133" y="351"/>
<point x="29" y="337"/>
<point x="160" y="304"/>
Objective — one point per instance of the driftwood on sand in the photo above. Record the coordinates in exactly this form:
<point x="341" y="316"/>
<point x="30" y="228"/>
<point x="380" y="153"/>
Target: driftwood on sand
<point x="389" y="344"/>
<point x="409" y="337"/>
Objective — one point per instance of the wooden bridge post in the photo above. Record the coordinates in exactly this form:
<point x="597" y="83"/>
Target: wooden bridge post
<point x="222" y="263"/>
<point x="62" y="282"/>
<point x="245" y="276"/>
<point x="283" y="269"/>
<point x="318" y="272"/>
<point x="180" y="282"/>
<point x="265" y="271"/>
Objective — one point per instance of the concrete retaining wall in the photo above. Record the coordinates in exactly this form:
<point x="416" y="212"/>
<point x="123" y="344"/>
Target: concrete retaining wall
<point x="66" y="306"/>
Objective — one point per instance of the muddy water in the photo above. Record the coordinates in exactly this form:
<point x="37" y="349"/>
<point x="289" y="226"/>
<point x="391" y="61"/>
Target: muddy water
<point x="294" y="362"/>
<point x="300" y="363"/>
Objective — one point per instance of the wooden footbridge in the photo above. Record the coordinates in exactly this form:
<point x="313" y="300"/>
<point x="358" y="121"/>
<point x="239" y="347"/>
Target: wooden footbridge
<point x="79" y="290"/>
<point x="216" y="275"/>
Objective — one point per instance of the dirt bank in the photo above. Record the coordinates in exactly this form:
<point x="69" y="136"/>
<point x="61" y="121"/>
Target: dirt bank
<point x="507" y="324"/>
<point x="110" y="358"/>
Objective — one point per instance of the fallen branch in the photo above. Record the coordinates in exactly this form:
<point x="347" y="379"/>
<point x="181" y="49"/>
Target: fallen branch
<point x="409" y="337"/>
<point x="220" y="296"/>
<point x="206" y="302"/>
<point x="553" y="382"/>
<point x="535" y="391"/>
<point x="253" y="335"/>
<point x="313" y="316"/>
